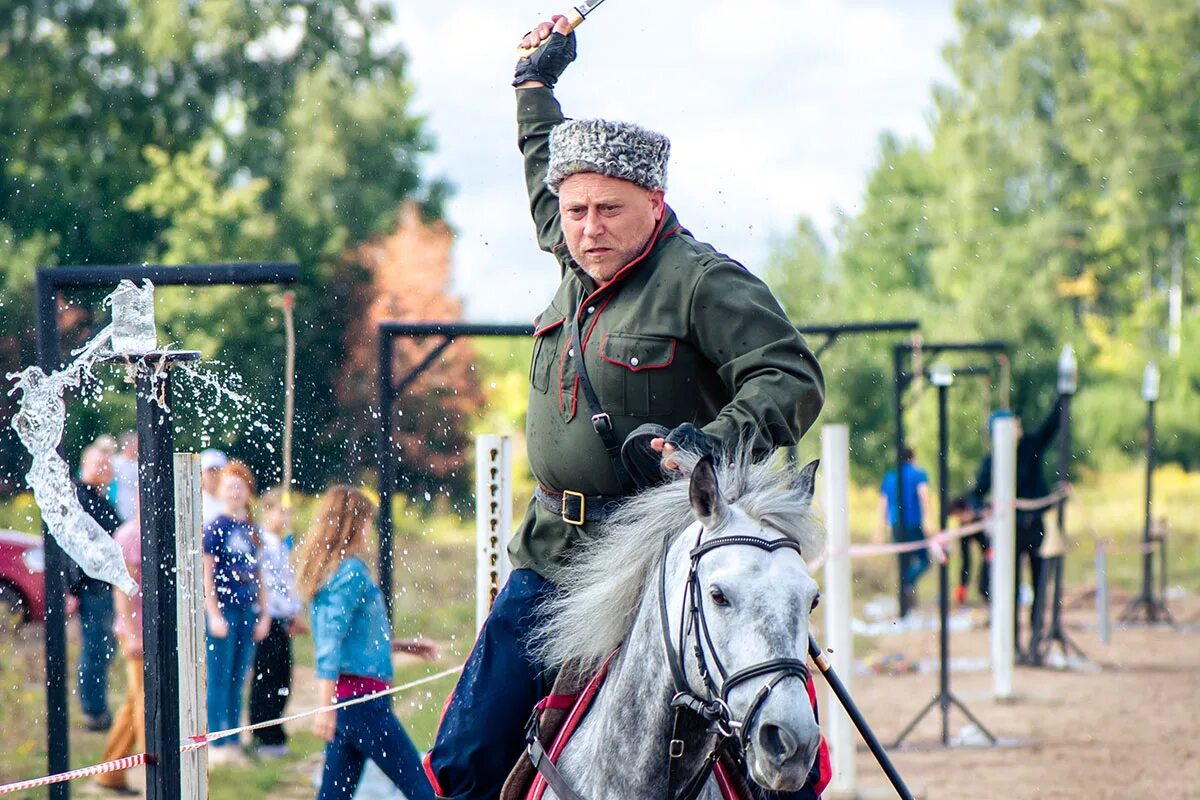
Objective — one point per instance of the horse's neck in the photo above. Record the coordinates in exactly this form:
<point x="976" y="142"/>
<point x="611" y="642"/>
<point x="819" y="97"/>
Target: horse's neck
<point x="620" y="749"/>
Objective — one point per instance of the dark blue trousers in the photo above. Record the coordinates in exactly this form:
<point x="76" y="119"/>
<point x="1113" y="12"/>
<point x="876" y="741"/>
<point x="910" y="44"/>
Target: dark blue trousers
<point x="371" y="730"/>
<point x="483" y="729"/>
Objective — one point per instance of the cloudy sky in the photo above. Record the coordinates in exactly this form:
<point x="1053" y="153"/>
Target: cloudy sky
<point x="773" y="107"/>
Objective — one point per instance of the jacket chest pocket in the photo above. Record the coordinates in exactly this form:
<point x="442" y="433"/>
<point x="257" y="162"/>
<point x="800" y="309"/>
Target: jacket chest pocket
<point x="637" y="375"/>
<point x="545" y="349"/>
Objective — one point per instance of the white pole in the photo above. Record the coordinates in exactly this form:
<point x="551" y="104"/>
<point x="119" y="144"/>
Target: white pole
<point x="493" y="520"/>
<point x="1004" y="555"/>
<point x="837" y="599"/>
<point x="193" y="679"/>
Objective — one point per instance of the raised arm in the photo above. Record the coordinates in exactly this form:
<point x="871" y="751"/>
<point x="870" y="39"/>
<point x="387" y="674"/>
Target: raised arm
<point x="537" y="114"/>
<point x="1049" y="427"/>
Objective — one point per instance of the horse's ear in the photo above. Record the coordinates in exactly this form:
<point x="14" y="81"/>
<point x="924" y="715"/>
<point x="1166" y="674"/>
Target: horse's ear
<point x="705" y="495"/>
<point x="805" y="482"/>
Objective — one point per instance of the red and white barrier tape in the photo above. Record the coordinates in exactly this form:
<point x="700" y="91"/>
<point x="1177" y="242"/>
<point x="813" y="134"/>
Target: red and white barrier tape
<point x="86" y="772"/>
<point x="202" y="740"/>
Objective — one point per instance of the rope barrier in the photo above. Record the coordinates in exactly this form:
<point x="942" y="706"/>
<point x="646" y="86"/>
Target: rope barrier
<point x="941" y="537"/>
<point x="108" y="766"/>
<point x="198" y="741"/>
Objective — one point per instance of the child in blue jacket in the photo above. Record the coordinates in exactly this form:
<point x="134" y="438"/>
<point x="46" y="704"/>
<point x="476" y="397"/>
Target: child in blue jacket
<point x="353" y="642"/>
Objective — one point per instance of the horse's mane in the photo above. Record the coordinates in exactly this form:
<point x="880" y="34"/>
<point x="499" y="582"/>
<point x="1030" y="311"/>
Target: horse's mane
<point x="602" y="588"/>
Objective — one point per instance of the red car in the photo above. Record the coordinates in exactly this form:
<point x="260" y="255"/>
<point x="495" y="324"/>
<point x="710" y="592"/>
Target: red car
<point x="22" y="589"/>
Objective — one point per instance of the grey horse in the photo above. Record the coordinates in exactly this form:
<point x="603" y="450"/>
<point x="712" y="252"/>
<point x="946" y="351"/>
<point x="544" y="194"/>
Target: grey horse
<point x="755" y="600"/>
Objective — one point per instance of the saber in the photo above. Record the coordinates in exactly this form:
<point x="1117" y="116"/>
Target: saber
<point x="575" y="18"/>
<point x="843" y="696"/>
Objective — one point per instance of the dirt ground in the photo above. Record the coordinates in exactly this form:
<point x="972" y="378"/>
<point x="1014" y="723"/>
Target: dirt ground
<point x="1125" y="728"/>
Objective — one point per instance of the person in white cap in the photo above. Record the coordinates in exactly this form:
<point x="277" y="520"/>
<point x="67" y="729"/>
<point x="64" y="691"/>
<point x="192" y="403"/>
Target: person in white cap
<point x="212" y="461"/>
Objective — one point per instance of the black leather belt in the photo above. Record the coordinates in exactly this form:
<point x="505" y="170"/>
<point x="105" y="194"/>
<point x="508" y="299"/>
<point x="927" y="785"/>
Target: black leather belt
<point x="577" y="508"/>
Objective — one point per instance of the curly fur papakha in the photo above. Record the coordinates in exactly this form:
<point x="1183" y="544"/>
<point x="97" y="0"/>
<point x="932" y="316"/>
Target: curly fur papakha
<point x="616" y="149"/>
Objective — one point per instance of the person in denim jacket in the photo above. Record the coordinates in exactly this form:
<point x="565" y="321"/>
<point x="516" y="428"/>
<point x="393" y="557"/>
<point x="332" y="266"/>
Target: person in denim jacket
<point x="352" y="638"/>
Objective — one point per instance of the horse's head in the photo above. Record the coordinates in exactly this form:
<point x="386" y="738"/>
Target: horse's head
<point x="742" y="593"/>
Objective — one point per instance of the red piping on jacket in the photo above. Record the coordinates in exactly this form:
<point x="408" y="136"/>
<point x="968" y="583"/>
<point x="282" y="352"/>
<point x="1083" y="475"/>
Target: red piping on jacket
<point x="639" y="367"/>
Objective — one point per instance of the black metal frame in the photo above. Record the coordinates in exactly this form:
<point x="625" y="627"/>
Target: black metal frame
<point x="901" y="377"/>
<point x="49" y="282"/>
<point x="390" y="390"/>
<point x="944" y="697"/>
<point x="1147" y="603"/>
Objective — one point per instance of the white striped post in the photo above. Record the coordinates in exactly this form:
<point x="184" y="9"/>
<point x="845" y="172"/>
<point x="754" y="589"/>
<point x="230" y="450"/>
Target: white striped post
<point x="493" y="520"/>
<point x="837" y="599"/>
<point x="1004" y="555"/>
<point x="193" y="676"/>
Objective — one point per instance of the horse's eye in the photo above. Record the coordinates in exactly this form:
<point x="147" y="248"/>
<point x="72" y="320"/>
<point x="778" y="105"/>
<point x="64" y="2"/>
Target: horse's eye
<point x="816" y="602"/>
<point x="718" y="597"/>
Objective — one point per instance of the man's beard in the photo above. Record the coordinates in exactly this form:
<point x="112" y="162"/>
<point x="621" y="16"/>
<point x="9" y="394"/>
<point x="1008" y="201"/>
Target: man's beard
<point x="626" y="258"/>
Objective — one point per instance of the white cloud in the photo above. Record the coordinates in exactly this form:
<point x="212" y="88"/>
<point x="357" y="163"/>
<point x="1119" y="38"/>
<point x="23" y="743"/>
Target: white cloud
<point x="774" y="109"/>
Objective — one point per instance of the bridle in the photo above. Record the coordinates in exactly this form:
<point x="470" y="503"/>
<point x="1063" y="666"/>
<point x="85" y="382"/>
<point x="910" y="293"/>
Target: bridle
<point x="727" y="734"/>
<point x="713" y="705"/>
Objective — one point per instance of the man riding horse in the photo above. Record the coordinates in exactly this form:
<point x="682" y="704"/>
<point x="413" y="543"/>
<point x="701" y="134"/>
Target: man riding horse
<point x="653" y="341"/>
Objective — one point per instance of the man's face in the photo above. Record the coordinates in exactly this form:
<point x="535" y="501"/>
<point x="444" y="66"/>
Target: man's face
<point x="95" y="469"/>
<point x="607" y="222"/>
<point x="209" y="479"/>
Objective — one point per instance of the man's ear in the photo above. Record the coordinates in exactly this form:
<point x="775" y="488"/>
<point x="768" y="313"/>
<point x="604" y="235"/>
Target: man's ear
<point x="658" y="203"/>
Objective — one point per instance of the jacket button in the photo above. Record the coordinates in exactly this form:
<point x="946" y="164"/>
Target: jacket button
<point x="571" y="353"/>
<point x="591" y="309"/>
<point x="633" y="362"/>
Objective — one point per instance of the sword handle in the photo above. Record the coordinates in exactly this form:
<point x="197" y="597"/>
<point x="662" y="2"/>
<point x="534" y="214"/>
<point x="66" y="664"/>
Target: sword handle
<point x="574" y="20"/>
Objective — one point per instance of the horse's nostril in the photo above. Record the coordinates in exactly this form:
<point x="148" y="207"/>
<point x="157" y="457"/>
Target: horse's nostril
<point x="776" y="742"/>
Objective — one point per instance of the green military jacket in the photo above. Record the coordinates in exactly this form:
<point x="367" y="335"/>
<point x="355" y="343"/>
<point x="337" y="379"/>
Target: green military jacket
<point x="681" y="334"/>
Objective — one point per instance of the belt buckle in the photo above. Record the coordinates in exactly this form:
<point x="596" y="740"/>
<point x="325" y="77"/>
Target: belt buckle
<point x="582" y="508"/>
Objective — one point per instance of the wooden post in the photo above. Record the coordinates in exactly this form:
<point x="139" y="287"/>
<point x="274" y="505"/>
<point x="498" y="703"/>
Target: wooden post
<point x="493" y="520"/>
<point x="838" y="599"/>
<point x="193" y="683"/>
<point x="1004" y="555"/>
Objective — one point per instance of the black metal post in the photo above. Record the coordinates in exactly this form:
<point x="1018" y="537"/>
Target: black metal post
<point x="58" y="752"/>
<point x="156" y="491"/>
<point x="943" y="568"/>
<point x="383" y="459"/>
<point x="1147" y="556"/>
<point x="860" y="722"/>
<point x="944" y="698"/>
<point x="899" y="382"/>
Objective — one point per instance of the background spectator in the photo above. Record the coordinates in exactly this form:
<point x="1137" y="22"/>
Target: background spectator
<point x="211" y="463"/>
<point x="353" y="645"/>
<point x="125" y="476"/>
<point x="95" y="597"/>
<point x="128" y="733"/>
<point x="235" y="605"/>
<point x="272" y="674"/>
<point x="914" y="483"/>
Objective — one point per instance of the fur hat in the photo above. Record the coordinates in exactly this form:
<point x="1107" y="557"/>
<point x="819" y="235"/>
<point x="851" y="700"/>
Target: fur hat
<point x="616" y="149"/>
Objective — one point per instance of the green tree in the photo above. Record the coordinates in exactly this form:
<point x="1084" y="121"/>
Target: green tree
<point x="174" y="132"/>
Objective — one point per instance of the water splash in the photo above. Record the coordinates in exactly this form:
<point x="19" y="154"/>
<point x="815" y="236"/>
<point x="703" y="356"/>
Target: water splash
<point x="39" y="425"/>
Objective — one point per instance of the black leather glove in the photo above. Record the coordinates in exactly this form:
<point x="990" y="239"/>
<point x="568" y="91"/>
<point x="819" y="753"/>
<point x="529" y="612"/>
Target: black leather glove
<point x="688" y="437"/>
<point x="548" y="61"/>
<point x="643" y="462"/>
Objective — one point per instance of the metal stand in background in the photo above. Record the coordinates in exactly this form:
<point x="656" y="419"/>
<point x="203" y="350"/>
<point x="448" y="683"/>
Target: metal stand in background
<point x="941" y="376"/>
<point x="160" y="635"/>
<point x="1147" y="605"/>
<point x="1052" y="568"/>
